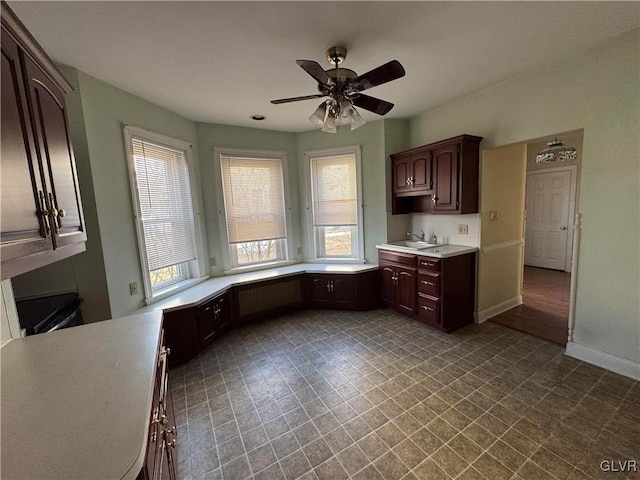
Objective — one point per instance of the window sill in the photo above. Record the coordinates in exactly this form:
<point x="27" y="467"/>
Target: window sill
<point x="256" y="268"/>
<point x="350" y="261"/>
<point x="175" y="288"/>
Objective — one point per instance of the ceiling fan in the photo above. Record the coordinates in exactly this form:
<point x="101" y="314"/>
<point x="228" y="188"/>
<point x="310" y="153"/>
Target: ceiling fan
<point x="343" y="88"/>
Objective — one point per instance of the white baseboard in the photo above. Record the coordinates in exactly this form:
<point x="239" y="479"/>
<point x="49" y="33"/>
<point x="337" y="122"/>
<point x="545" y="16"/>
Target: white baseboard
<point x="605" y="360"/>
<point x="487" y="313"/>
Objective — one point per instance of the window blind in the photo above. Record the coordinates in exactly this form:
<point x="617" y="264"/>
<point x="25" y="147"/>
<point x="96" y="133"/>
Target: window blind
<point x="253" y="198"/>
<point x="164" y="192"/>
<point x="334" y="191"/>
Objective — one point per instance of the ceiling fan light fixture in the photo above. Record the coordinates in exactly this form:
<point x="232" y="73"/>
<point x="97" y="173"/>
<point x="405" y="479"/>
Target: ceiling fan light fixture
<point x="318" y="117"/>
<point x="556" y="151"/>
<point x="356" y="120"/>
<point x="330" y="124"/>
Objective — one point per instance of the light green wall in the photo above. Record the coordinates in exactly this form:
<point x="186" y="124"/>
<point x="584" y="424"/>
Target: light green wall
<point x="105" y="108"/>
<point x="596" y="91"/>
<point x="370" y="138"/>
<point x="227" y="136"/>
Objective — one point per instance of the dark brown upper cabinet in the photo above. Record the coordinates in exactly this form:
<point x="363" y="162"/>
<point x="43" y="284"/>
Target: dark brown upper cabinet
<point x="42" y="219"/>
<point x="439" y="178"/>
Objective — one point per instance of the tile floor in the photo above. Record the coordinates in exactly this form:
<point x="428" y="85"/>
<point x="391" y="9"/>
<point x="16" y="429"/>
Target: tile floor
<point x="374" y="395"/>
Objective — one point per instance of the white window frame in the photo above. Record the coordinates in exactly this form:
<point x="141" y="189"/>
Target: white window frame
<point x="192" y="272"/>
<point x="285" y="248"/>
<point x="312" y="242"/>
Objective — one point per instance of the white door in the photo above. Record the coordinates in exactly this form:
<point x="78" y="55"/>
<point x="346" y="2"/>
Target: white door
<point x="548" y="200"/>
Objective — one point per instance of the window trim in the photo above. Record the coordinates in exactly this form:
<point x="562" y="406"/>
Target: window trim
<point x="310" y="233"/>
<point x="228" y="265"/>
<point x="196" y="268"/>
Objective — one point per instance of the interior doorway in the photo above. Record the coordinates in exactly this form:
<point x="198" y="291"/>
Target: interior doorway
<point x="550" y="207"/>
<point x="551" y="204"/>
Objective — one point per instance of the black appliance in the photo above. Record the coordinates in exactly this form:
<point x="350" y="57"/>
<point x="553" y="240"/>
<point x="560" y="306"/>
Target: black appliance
<point x="46" y="314"/>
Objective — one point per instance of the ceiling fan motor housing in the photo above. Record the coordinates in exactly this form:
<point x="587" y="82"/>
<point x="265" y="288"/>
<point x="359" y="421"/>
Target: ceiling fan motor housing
<point x="336" y="55"/>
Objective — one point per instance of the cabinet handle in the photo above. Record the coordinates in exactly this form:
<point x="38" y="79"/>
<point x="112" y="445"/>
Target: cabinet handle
<point x="165" y="351"/>
<point x="428" y="283"/>
<point x="44" y="214"/>
<point x="207" y="309"/>
<point x="331" y="286"/>
<point x="62" y="213"/>
<point x="54" y="214"/>
<point x="563" y="227"/>
<point x="434" y="199"/>
<point x="427" y="264"/>
<point x="170" y="431"/>
<point x="427" y="308"/>
<point x="328" y="286"/>
<point x="172" y="443"/>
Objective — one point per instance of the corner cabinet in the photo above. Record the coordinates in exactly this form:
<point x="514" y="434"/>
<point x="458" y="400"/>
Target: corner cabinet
<point x="440" y="178"/>
<point x="42" y="219"/>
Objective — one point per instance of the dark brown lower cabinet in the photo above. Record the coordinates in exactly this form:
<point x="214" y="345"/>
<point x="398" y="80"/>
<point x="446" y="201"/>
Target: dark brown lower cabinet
<point x="357" y="291"/>
<point x="213" y="317"/>
<point x="189" y="330"/>
<point x="398" y="275"/>
<point x="161" y="456"/>
<point x="440" y="292"/>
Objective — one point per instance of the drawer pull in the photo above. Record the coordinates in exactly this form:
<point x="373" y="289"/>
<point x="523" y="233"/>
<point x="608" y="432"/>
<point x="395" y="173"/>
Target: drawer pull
<point x="165" y="351"/>
<point x="428" y="283"/>
<point x="170" y="431"/>
<point x="173" y="443"/>
<point x="424" y="307"/>
<point x="427" y="264"/>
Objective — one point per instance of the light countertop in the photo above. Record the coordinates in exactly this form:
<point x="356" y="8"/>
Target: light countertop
<point x="201" y="292"/>
<point x="441" y="251"/>
<point x="76" y="402"/>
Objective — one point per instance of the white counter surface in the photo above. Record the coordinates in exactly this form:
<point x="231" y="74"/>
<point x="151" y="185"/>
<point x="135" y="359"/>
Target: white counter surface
<point x="441" y="251"/>
<point x="76" y="402"/>
<point x="201" y="292"/>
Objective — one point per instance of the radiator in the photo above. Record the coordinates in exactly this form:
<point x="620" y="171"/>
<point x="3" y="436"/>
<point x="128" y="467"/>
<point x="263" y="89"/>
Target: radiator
<point x="260" y="298"/>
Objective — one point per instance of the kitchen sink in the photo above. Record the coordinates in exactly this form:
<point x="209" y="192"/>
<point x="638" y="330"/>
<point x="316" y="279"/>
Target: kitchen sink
<point x="411" y="244"/>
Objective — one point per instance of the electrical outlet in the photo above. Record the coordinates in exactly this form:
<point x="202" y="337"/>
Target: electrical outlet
<point x="133" y="288"/>
<point x="212" y="261"/>
<point x="463" y="229"/>
<point x="493" y="215"/>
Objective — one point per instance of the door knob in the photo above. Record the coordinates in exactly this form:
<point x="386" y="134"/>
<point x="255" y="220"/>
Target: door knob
<point x="563" y="227"/>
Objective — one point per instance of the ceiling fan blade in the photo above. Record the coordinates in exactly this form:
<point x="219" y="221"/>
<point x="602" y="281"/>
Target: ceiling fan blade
<point x="297" y="99"/>
<point x="383" y="74"/>
<point x="316" y="71"/>
<point x="372" y="104"/>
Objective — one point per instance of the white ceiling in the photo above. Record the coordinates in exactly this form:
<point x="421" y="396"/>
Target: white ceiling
<point x="220" y="62"/>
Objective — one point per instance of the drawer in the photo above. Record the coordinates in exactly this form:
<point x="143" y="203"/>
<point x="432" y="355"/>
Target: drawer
<point x="429" y="310"/>
<point x="429" y="283"/>
<point x="405" y="259"/>
<point x="428" y="263"/>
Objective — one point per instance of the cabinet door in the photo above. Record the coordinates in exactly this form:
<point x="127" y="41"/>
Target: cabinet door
<point x="56" y="155"/>
<point x="445" y="169"/>
<point x="223" y="306"/>
<point x="388" y="275"/>
<point x="24" y="229"/>
<point x="207" y="323"/>
<point x="401" y="173"/>
<point x="421" y="168"/>
<point x="320" y="290"/>
<point x="406" y="289"/>
<point x="343" y="289"/>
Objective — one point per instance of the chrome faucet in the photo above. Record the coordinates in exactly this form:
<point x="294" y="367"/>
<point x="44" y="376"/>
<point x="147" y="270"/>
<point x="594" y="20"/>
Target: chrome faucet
<point x="419" y="237"/>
